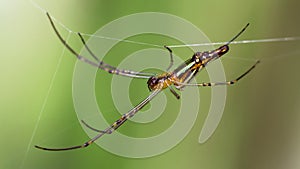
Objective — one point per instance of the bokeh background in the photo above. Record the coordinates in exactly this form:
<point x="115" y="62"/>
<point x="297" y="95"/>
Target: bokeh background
<point x="260" y="125"/>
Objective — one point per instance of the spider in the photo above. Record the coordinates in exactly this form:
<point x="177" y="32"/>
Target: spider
<point x="178" y="78"/>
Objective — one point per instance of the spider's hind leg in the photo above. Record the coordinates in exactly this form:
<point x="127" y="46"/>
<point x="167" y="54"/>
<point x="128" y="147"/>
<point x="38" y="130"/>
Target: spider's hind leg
<point x="94" y="129"/>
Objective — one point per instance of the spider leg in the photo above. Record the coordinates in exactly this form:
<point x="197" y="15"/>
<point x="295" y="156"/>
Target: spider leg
<point x="231" y="82"/>
<point x="100" y="65"/>
<point x="94" y="129"/>
<point x="109" y="66"/>
<point x="174" y="92"/>
<point x="110" y="129"/>
<point x="171" y="57"/>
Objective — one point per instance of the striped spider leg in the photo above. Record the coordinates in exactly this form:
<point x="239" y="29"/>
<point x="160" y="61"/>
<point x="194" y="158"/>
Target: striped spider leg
<point x="111" y="128"/>
<point x="100" y="64"/>
<point x="231" y="82"/>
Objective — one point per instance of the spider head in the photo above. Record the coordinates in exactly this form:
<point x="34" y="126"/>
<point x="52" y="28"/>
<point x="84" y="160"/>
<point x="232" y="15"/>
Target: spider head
<point x="152" y="82"/>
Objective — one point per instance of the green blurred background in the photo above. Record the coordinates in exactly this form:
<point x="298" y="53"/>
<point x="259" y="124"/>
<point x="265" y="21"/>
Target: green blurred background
<point x="260" y="125"/>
